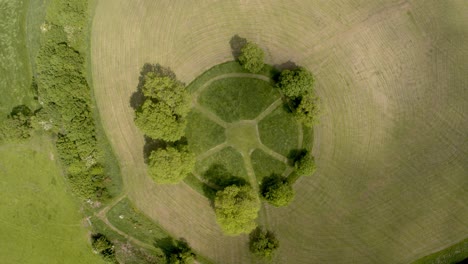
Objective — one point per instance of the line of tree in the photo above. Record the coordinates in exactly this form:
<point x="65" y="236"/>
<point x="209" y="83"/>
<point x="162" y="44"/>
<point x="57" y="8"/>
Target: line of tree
<point x="163" y="116"/>
<point x="65" y="96"/>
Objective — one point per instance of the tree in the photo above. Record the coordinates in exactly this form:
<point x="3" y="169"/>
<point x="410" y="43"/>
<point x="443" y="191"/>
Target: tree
<point x="171" y="165"/>
<point x="251" y="57"/>
<point x="18" y="125"/>
<point x="158" y="121"/>
<point x="102" y="245"/>
<point x="164" y="111"/>
<point x="308" y="110"/>
<point x="236" y="209"/>
<point x="263" y="243"/>
<point x="305" y="165"/>
<point x="182" y="254"/>
<point x="277" y="190"/>
<point x="296" y="83"/>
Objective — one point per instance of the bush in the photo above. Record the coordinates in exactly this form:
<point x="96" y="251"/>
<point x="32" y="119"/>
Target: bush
<point x="296" y="83"/>
<point x="277" y="190"/>
<point x="308" y="110"/>
<point x="305" y="165"/>
<point x="171" y="165"/>
<point x="263" y="243"/>
<point x="236" y="209"/>
<point x="18" y="125"/>
<point x="251" y="57"/>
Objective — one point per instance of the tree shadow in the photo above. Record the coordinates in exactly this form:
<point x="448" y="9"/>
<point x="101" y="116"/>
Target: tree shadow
<point x="155" y="144"/>
<point x="291" y="104"/>
<point x="296" y="155"/>
<point x="171" y="246"/>
<point x="137" y="98"/>
<point x="237" y="43"/>
<point x="271" y="180"/>
<point x="289" y="65"/>
<point x="217" y="175"/>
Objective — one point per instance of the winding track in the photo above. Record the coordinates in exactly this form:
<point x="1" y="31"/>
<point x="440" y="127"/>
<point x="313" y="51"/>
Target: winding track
<point x="391" y="146"/>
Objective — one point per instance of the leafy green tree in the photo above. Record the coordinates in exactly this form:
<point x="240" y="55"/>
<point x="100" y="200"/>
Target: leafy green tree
<point x="263" y="243"/>
<point x="252" y="57"/>
<point x="18" y="125"/>
<point x="305" y="165"/>
<point x="296" y="83"/>
<point x="308" y="110"/>
<point x="102" y="245"/>
<point x="171" y="165"/>
<point x="164" y="111"/>
<point x="236" y="209"/>
<point x="157" y="120"/>
<point x="277" y="190"/>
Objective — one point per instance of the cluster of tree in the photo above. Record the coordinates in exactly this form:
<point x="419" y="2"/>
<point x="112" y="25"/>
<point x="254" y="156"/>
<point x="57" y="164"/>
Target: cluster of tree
<point x="252" y="57"/>
<point x="163" y="116"/>
<point x="277" y="190"/>
<point x="104" y="247"/>
<point x="263" y="243"/>
<point x="18" y="124"/>
<point x="181" y="253"/>
<point x="236" y="209"/>
<point x="298" y="86"/>
<point x="64" y="93"/>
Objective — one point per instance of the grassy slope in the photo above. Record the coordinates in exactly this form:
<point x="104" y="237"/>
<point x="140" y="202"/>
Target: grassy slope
<point x="390" y="146"/>
<point x="40" y="222"/>
<point x="265" y="165"/>
<point x="228" y="158"/>
<point x="202" y="133"/>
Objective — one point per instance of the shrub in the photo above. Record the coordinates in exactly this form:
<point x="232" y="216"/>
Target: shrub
<point x="236" y="209"/>
<point x="251" y="57"/>
<point x="263" y="243"/>
<point x="296" y="83"/>
<point x="171" y="165"/>
<point x="17" y="126"/>
<point x="277" y="190"/>
<point x="308" y="110"/>
<point x="305" y="165"/>
<point x="104" y="247"/>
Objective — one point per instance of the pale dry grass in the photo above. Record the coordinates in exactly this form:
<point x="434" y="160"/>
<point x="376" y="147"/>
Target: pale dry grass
<point x="391" y="146"/>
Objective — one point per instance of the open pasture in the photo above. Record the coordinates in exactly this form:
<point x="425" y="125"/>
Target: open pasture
<point x="391" y="148"/>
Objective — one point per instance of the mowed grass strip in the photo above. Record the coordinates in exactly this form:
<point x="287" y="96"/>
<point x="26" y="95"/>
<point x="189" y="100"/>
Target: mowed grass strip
<point x="202" y="133"/>
<point x="234" y="99"/>
<point x="279" y="131"/>
<point x="265" y="165"/>
<point x="40" y="222"/>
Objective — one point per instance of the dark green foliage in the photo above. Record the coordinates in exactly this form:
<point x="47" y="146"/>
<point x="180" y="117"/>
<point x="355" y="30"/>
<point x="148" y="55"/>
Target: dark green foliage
<point x="102" y="245"/>
<point x="263" y="243"/>
<point x="17" y="126"/>
<point x="251" y="57"/>
<point x="176" y="251"/>
<point x="296" y="83"/>
<point x="277" y="190"/>
<point x="65" y="95"/>
<point x="236" y="209"/>
<point x="308" y="110"/>
<point x="165" y="108"/>
<point x="171" y="165"/>
<point x="305" y="165"/>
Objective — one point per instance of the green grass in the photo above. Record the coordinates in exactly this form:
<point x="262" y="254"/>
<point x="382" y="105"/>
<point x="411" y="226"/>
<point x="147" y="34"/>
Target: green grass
<point x="308" y="138"/>
<point x="242" y="136"/>
<point x="40" y="222"/>
<point x="15" y="72"/>
<point x="451" y="255"/>
<point x="225" y="163"/>
<point x="264" y="165"/>
<point x="202" y="133"/>
<point x="225" y="68"/>
<point x="279" y="131"/>
<point x="234" y="99"/>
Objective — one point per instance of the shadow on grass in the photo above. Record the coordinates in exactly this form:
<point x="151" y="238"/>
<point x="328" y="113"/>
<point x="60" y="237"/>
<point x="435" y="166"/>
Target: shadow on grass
<point x="137" y="98"/>
<point x="171" y="246"/>
<point x="155" y="144"/>
<point x="296" y="155"/>
<point x="218" y="176"/>
<point x="237" y="43"/>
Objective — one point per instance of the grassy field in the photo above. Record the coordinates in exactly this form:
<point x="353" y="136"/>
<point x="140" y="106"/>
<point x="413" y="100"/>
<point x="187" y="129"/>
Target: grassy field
<point x="264" y="165"/>
<point x="390" y="147"/>
<point x="40" y="221"/>
<point x="202" y="133"/>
